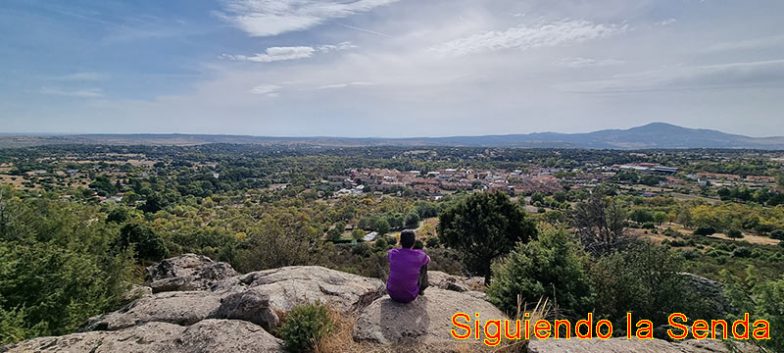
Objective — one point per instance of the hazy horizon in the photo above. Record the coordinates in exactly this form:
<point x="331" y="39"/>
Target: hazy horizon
<point x="45" y="134"/>
<point x="390" y="68"/>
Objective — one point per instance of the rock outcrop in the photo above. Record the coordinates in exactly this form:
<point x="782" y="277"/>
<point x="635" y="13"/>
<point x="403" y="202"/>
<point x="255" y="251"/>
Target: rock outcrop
<point x="426" y="320"/>
<point x="187" y="272"/>
<point x="290" y="286"/>
<point x="207" y="336"/>
<point x="195" y="305"/>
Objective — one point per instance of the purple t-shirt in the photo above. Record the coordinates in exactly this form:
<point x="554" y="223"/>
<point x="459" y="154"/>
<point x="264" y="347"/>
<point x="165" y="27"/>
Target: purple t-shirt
<point x="404" y="266"/>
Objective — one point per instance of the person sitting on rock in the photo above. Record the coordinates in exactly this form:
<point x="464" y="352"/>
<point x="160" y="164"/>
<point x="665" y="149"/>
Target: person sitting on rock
<point x="407" y="270"/>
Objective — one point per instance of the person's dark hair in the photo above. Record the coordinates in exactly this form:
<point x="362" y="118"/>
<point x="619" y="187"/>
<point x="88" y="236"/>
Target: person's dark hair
<point x="407" y="239"/>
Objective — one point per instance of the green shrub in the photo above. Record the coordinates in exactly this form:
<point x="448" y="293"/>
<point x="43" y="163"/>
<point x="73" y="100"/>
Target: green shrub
<point x="677" y="243"/>
<point x="643" y="279"/>
<point x="381" y="244"/>
<point x="762" y="299"/>
<point x="777" y="234"/>
<point x="147" y="244"/>
<point x="741" y="252"/>
<point x="304" y="326"/>
<point x="552" y="266"/>
<point x="671" y="232"/>
<point x="735" y="234"/>
<point x="690" y="255"/>
<point x="57" y="268"/>
<point x="705" y="231"/>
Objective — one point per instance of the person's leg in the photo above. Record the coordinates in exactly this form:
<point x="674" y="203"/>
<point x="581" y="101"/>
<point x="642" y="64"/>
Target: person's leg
<point x="423" y="282"/>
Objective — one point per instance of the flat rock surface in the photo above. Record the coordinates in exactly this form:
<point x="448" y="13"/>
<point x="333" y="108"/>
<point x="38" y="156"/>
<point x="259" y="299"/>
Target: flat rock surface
<point x="291" y="286"/>
<point x="181" y="308"/>
<point x="215" y="336"/>
<point x="426" y="320"/>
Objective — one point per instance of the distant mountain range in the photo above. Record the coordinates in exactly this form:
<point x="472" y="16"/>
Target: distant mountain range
<point x="650" y="136"/>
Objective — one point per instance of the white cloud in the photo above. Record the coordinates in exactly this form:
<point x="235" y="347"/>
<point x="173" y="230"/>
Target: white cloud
<point x="79" y="93"/>
<point x="730" y="75"/>
<point x="262" y="18"/>
<point x="266" y="90"/>
<point x="747" y="44"/>
<point x="666" y="22"/>
<point x="344" y="85"/>
<point x="326" y="48"/>
<point x="273" y="54"/>
<point x="580" y="62"/>
<point x="528" y="37"/>
<point x="276" y="54"/>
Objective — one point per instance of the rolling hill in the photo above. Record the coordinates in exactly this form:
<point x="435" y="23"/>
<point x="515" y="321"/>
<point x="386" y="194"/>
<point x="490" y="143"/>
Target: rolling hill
<point x="650" y="136"/>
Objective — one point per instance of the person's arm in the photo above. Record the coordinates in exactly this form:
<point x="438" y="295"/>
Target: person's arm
<point x="423" y="281"/>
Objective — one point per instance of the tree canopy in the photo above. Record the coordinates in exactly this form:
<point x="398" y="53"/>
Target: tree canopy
<point x="484" y="226"/>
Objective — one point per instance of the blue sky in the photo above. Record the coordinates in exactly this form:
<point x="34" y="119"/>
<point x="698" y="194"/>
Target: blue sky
<point x="389" y="67"/>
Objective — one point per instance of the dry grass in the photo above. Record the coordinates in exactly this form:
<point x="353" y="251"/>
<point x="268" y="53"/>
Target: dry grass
<point x="341" y="338"/>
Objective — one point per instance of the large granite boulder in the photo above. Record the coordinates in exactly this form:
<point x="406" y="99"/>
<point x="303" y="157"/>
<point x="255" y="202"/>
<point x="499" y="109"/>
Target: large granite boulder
<point x="187" y="272"/>
<point x="291" y="286"/>
<point x="427" y="320"/>
<point x="247" y="306"/>
<point x="180" y="308"/>
<point x="214" y="336"/>
<point x="226" y="336"/>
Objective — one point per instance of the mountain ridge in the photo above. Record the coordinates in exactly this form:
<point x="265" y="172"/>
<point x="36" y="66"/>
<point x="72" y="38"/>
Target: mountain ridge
<point x="656" y="135"/>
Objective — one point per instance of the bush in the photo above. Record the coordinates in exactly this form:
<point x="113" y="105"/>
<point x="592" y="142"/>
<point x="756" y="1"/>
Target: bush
<point x="677" y="243"/>
<point x="57" y="268"/>
<point x="643" y="279"/>
<point x="734" y="234"/>
<point x="671" y="232"/>
<point x="552" y="266"/>
<point x="690" y="255"/>
<point x="432" y="242"/>
<point x="705" y="231"/>
<point x="147" y="244"/>
<point x="741" y="252"/>
<point x="411" y="221"/>
<point x="763" y="299"/>
<point x="777" y="234"/>
<point x="304" y="326"/>
<point x="381" y="244"/>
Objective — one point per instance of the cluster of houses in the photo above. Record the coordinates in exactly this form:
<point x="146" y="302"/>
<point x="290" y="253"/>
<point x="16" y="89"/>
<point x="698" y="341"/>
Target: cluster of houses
<point x="732" y="180"/>
<point x="646" y="168"/>
<point x="447" y="180"/>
